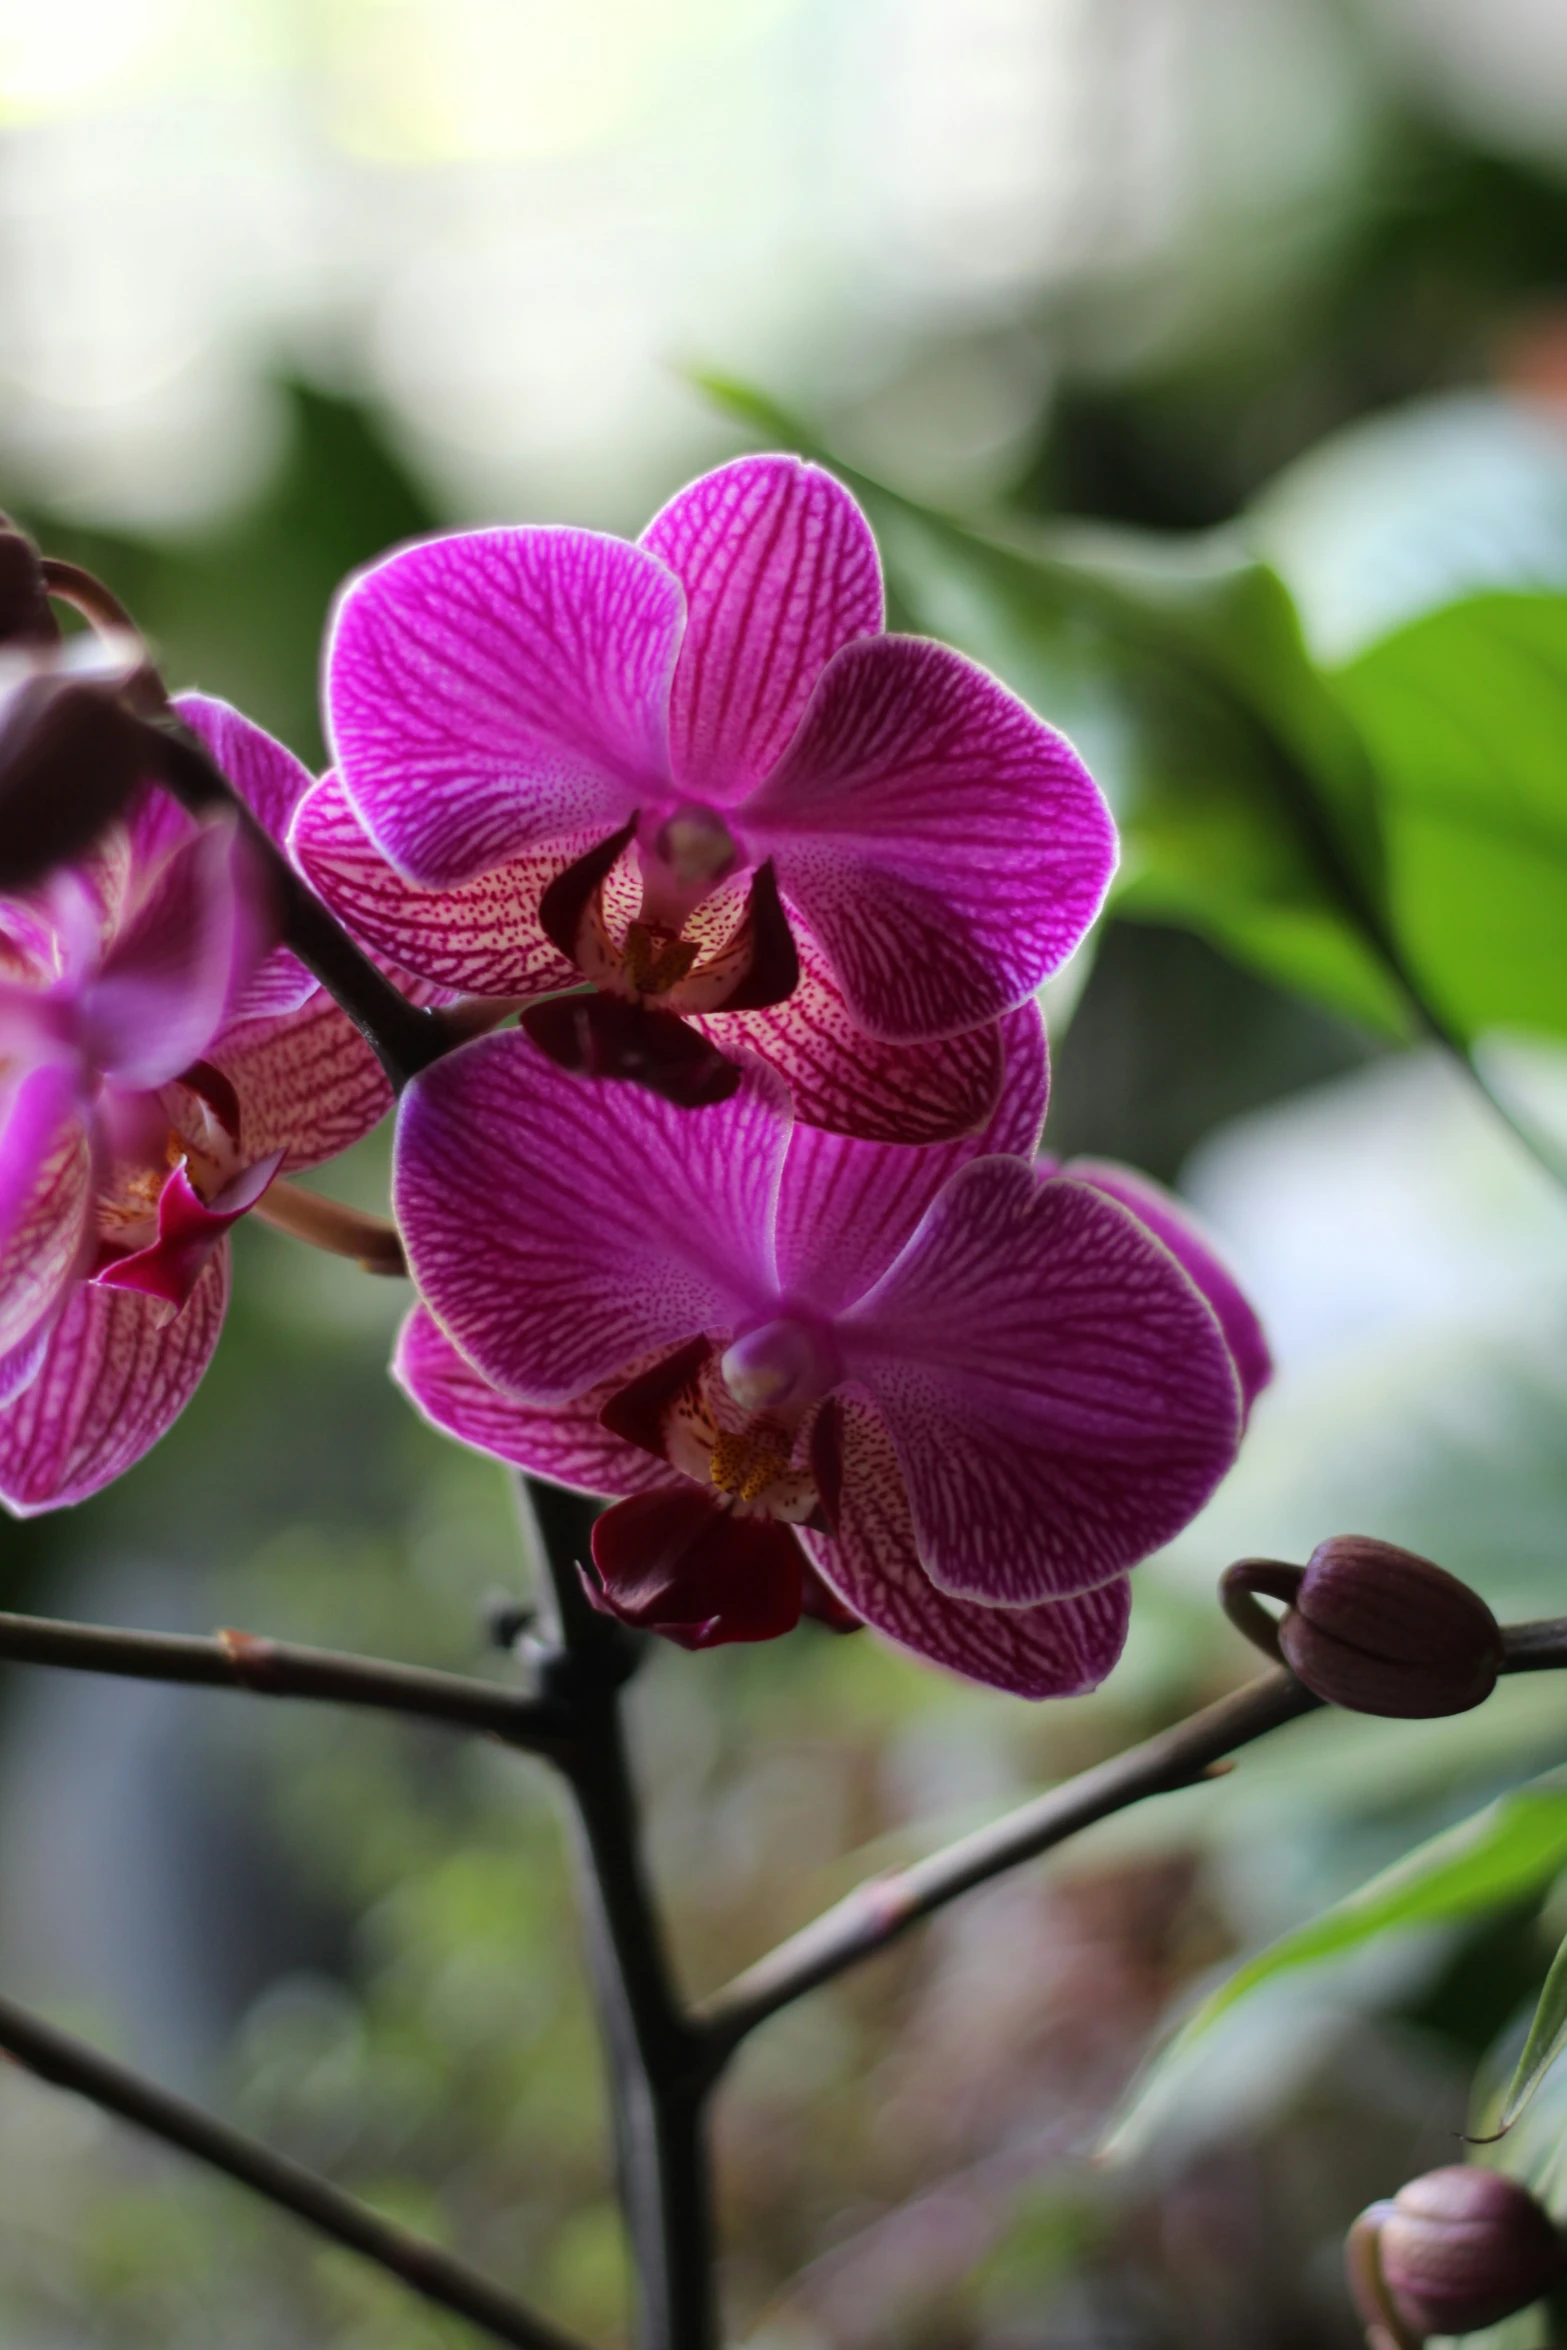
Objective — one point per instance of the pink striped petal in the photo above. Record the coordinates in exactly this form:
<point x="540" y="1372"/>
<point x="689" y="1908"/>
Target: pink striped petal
<point x="21" y="1364"/>
<point x="851" y="1083"/>
<point x="780" y="570"/>
<point x="484" y="938"/>
<point x="845" y="1207"/>
<point x="564" y="1442"/>
<point x="493" y="690"/>
<point x="46" y="1187"/>
<point x="271" y="782"/>
<point x="558" y="1228"/>
<point x="307" y="1084"/>
<point x="872" y="1562"/>
<point x="159" y="998"/>
<point x="116" y="1375"/>
<point x="1059" y="1392"/>
<point x="946" y="846"/>
<point x="1171" y="1221"/>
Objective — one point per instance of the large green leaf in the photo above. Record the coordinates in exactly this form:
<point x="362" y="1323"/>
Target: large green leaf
<point x="1246" y="802"/>
<point x="1465" y="713"/>
<point x="1509" y="1851"/>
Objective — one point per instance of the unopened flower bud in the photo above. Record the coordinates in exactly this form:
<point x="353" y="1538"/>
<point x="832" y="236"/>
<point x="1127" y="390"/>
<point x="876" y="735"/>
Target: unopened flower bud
<point x="70" y="758"/>
<point x="26" y="615"/>
<point x="1372" y="1628"/>
<point x="1454" y="2251"/>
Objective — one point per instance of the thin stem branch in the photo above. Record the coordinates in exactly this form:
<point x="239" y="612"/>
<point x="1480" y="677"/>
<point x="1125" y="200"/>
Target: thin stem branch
<point x="279" y="1668"/>
<point x="882" y="1909"/>
<point x="69" y="2064"/>
<point x="371" y="1241"/>
<point x="657" y="2059"/>
<point x="878" y="1912"/>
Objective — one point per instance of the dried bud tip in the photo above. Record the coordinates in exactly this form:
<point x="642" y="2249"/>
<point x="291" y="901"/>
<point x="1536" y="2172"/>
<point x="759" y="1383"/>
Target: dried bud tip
<point x="1372" y="1628"/>
<point x="1456" y="2250"/>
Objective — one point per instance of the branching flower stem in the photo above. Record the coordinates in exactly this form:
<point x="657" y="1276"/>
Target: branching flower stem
<point x="423" y="2267"/>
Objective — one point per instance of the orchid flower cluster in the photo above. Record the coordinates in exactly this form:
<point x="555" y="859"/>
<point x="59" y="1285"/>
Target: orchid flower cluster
<point x="743" y="1225"/>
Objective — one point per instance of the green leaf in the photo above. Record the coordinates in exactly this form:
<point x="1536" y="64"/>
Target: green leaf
<point x="1547" y="2038"/>
<point x="1465" y="713"/>
<point x="1505" y="1853"/>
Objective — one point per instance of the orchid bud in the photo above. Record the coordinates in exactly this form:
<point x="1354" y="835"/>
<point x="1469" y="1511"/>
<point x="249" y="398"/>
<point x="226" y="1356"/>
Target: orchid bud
<point x="1373" y="1628"/>
<point x="70" y="758"/>
<point x="1454" y="2251"/>
<point x="26" y="616"/>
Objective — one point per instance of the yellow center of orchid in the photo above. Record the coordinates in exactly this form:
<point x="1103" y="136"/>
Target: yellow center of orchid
<point x="748" y="1461"/>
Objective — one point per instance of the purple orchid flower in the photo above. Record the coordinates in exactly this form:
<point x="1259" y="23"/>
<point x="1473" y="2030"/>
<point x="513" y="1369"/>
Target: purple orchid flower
<point x="697" y="774"/>
<point x="158" y="1068"/>
<point x="975" y="1391"/>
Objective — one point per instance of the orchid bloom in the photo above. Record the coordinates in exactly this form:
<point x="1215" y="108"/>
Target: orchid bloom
<point x="974" y="1390"/>
<point x="157" y="1070"/>
<point x="697" y="775"/>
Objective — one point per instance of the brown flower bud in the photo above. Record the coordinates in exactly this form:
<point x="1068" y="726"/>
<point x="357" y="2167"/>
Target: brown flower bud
<point x="70" y="758"/>
<point x="1372" y="1628"/>
<point x="1454" y="2251"/>
<point x="26" y="616"/>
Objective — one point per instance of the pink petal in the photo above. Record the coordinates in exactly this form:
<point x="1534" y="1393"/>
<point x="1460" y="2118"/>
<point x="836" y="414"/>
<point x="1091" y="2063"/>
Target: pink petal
<point x="271" y="782"/>
<point x="493" y="690"/>
<point x="850" y="1083"/>
<point x="564" y="1442"/>
<point x="307" y="1084"/>
<point x="1059" y="1392"/>
<point x="559" y="1228"/>
<point x="845" y="1207"/>
<point x="21" y="1364"/>
<point x="160" y="996"/>
<point x="115" y="1376"/>
<point x="483" y="938"/>
<point x="946" y="846"/>
<point x="46" y="1189"/>
<point x="188" y="1232"/>
<point x="780" y="570"/>
<point x="1171" y="1221"/>
<point x="678" y="1563"/>
<point x="872" y="1562"/>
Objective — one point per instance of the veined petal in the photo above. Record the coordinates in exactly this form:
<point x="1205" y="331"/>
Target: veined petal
<point x="1171" y="1221"/>
<point x="114" y="1378"/>
<point x="45" y="1198"/>
<point x="159" y="998"/>
<point x="1058" y="1390"/>
<point x="271" y="782"/>
<point x="851" y="1083"/>
<point x="946" y="846"/>
<point x="564" y="1442"/>
<point x="495" y="689"/>
<point x="779" y="569"/>
<point x="872" y="1561"/>
<point x="846" y="1207"/>
<point x="307" y="1083"/>
<point x="558" y="1228"/>
<point x="483" y="938"/>
<point x="21" y="1363"/>
<point x="678" y="1563"/>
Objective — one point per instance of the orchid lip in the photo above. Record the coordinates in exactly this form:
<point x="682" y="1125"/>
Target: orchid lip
<point x="782" y="1365"/>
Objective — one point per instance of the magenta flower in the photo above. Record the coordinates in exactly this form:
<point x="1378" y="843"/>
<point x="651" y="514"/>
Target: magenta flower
<point x="696" y="774"/>
<point x="157" y="1070"/>
<point x="976" y="1392"/>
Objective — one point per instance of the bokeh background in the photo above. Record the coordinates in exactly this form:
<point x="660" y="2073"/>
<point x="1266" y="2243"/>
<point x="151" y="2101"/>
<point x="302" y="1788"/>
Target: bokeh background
<point x="280" y="285"/>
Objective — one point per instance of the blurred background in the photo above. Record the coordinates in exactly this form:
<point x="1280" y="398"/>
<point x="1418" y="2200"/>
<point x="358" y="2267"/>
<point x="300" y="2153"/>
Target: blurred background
<point x="281" y="285"/>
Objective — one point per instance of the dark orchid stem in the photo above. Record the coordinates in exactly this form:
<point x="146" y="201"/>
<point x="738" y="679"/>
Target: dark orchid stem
<point x="371" y="1241"/>
<point x="658" y="2063"/>
<point x="404" y="1037"/>
<point x="423" y="2267"/>
<point x="278" y="1668"/>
